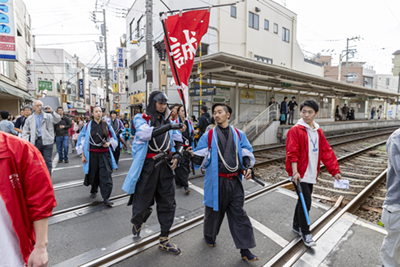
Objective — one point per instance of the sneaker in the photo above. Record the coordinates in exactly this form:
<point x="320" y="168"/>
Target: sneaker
<point x="129" y="152"/>
<point x="107" y="202"/>
<point x="247" y="255"/>
<point x="187" y="190"/>
<point x="123" y="151"/>
<point x="60" y="161"/>
<point x="66" y="161"/>
<point x="308" y="241"/>
<point x="165" y="245"/>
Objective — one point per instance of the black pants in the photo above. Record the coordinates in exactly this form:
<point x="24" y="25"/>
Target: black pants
<point x="100" y="170"/>
<point x="46" y="151"/>
<point x="299" y="219"/>
<point x="117" y="152"/>
<point x="231" y="201"/>
<point x="182" y="172"/>
<point x="154" y="183"/>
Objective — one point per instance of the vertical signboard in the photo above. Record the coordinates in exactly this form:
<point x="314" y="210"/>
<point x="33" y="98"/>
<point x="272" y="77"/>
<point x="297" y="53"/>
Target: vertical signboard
<point x="122" y="83"/>
<point x="81" y="88"/>
<point x="30" y="75"/>
<point x="120" y="57"/>
<point x="115" y="72"/>
<point x="8" y="49"/>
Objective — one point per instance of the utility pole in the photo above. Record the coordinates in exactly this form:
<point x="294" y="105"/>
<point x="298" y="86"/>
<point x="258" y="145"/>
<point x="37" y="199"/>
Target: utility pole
<point x="105" y="52"/>
<point x="149" y="47"/>
<point x="347" y="54"/>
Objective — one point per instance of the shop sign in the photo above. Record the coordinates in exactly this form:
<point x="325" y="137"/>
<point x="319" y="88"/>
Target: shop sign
<point x="204" y="91"/>
<point x="45" y="85"/>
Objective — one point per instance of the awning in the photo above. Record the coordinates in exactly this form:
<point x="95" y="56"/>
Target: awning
<point x="15" y="91"/>
<point x="80" y="111"/>
<point x="226" y="67"/>
<point x="69" y="106"/>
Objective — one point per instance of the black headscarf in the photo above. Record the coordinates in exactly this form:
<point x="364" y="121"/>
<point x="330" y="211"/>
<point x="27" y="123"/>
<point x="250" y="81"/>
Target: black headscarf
<point x="151" y="108"/>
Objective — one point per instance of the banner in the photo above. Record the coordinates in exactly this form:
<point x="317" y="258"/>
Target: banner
<point x="122" y="83"/>
<point x="81" y="88"/>
<point x="184" y="32"/>
<point x="115" y="72"/>
<point x="8" y="49"/>
<point x="120" y="58"/>
<point x="30" y="75"/>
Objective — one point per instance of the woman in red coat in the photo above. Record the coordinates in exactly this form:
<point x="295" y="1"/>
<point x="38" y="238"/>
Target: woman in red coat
<point x="306" y="147"/>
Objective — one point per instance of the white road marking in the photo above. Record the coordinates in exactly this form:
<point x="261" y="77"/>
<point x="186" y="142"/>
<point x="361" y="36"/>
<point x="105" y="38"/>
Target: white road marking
<point x="269" y="233"/>
<point x="74" y="166"/>
<point x="54" y="163"/>
<point x="196" y="188"/>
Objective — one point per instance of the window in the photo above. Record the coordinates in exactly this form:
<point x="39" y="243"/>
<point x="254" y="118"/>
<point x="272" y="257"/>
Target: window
<point x="352" y="77"/>
<point x="253" y="20"/>
<point x="131" y="29"/>
<point x="387" y="81"/>
<point x="233" y="11"/>
<point x="275" y="28"/>
<point x="266" y="25"/>
<point x="325" y="63"/>
<point x="204" y="50"/>
<point x="138" y="72"/>
<point x="140" y="28"/>
<point x="263" y="59"/>
<point x="7" y="69"/>
<point x="285" y="35"/>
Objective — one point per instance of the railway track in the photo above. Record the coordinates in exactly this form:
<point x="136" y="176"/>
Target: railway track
<point x="286" y="256"/>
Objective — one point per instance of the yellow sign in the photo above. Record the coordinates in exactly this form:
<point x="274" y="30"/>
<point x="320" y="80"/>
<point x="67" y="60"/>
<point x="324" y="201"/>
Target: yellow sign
<point x="247" y="96"/>
<point x="64" y="98"/>
<point x="115" y="87"/>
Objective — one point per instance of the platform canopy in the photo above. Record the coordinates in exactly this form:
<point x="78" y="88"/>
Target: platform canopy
<point x="232" y="68"/>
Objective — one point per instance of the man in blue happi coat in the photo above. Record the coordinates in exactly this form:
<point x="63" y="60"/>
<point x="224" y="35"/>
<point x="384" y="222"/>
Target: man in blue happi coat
<point x="147" y="179"/>
<point x="226" y="153"/>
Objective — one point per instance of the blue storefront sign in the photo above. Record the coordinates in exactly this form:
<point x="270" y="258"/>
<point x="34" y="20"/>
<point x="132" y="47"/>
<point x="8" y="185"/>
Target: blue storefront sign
<point x="120" y="57"/>
<point x="8" y="47"/>
<point x="81" y="88"/>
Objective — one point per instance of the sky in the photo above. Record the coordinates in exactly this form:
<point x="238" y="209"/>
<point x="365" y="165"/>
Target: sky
<point x="322" y="25"/>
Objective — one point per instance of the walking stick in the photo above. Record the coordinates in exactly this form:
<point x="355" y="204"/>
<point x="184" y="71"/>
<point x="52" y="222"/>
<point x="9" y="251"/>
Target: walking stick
<point x="303" y="202"/>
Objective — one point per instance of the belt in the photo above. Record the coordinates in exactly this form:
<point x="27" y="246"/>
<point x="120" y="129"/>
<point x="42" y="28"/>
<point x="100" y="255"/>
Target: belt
<point x="228" y="175"/>
<point x="39" y="138"/>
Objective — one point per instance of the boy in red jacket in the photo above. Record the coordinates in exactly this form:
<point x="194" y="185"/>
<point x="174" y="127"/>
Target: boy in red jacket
<point x="306" y="147"/>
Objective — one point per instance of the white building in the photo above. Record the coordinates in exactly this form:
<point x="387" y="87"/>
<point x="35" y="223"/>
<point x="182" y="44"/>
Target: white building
<point x="259" y="30"/>
<point x="13" y="74"/>
<point x="387" y="82"/>
<point x="55" y="68"/>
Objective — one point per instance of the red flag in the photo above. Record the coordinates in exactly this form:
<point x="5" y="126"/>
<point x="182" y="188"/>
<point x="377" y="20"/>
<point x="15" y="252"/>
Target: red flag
<point x="184" y="32"/>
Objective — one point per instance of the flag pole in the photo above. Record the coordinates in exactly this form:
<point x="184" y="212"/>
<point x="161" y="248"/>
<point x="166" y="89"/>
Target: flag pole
<point x="197" y="8"/>
<point x="178" y="82"/>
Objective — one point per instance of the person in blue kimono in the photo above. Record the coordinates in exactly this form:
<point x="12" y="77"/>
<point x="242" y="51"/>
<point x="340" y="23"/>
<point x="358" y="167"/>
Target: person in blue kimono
<point x="150" y="179"/>
<point x="183" y="170"/>
<point x="95" y="141"/>
<point x="226" y="153"/>
<point x="118" y="128"/>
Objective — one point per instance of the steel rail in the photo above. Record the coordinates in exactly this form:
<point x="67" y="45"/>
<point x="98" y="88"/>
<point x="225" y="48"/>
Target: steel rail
<point x="152" y="240"/>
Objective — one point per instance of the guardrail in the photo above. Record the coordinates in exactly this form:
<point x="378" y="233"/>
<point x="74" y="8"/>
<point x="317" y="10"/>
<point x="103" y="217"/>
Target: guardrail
<point x="257" y="125"/>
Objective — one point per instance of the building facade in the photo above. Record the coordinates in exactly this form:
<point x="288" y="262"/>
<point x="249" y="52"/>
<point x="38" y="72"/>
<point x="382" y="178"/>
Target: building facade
<point x="258" y="30"/>
<point x="13" y="73"/>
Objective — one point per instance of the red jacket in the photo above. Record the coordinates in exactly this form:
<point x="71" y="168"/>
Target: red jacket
<point x="26" y="188"/>
<point x="297" y="151"/>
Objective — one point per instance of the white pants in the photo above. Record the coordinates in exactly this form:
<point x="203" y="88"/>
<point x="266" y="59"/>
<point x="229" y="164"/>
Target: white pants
<point x="390" y="251"/>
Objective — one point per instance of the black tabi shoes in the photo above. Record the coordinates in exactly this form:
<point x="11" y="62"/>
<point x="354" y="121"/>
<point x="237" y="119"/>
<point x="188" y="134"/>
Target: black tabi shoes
<point x="247" y="255"/>
<point x="107" y="202"/>
<point x="165" y="245"/>
<point x="209" y="241"/>
<point x="93" y="195"/>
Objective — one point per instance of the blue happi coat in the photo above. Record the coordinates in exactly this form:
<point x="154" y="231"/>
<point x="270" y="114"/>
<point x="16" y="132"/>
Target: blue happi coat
<point x="211" y="162"/>
<point x="139" y="149"/>
<point x="83" y="144"/>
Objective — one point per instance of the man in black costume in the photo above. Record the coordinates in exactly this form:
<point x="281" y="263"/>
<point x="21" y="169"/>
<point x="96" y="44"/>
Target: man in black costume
<point x="150" y="179"/>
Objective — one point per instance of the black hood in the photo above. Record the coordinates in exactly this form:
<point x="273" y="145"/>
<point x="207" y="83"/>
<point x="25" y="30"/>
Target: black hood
<point x="206" y="114"/>
<point x="151" y="108"/>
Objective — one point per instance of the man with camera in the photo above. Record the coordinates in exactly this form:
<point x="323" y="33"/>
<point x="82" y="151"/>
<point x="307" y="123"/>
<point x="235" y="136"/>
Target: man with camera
<point x="39" y="130"/>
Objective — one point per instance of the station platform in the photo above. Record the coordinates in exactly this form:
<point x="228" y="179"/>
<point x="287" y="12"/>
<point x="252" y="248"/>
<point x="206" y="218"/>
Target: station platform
<point x="276" y="133"/>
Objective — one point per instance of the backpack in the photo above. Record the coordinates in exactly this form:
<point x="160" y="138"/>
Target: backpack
<point x="210" y="133"/>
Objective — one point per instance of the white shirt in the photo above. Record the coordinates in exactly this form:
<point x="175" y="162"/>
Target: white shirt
<point x="10" y="253"/>
<point x="313" y="151"/>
